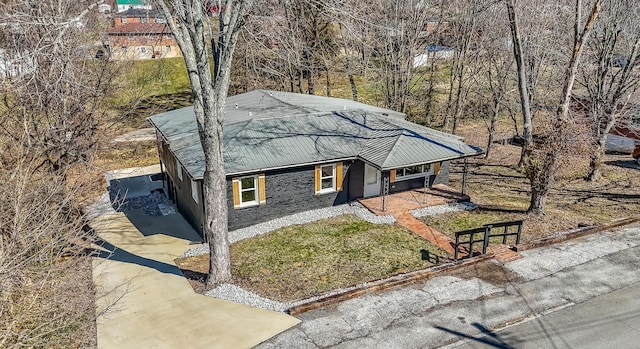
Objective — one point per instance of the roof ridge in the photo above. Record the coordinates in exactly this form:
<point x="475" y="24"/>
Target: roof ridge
<point x="390" y="149"/>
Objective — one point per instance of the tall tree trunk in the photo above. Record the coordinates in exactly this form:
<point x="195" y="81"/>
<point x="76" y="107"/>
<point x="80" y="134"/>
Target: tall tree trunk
<point x="209" y="90"/>
<point x="492" y="127"/>
<point x="597" y="152"/>
<point x="518" y="54"/>
<point x="538" y="201"/>
<point x="327" y="81"/>
<point x="542" y="174"/>
<point x="354" y="88"/>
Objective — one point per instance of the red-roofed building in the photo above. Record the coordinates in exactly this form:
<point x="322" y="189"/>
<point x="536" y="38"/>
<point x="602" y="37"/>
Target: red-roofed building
<point x="141" y="34"/>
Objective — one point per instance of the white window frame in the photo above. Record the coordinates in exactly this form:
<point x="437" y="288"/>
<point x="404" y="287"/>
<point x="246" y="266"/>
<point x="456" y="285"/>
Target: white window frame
<point x="256" y="192"/>
<point x="179" y="169"/>
<point x="123" y="20"/>
<point x="194" y="191"/>
<point x="333" y="179"/>
<point x="143" y="51"/>
<point x="427" y="169"/>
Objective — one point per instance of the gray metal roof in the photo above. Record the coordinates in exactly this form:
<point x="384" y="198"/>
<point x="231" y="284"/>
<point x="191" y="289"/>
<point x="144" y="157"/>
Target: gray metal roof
<point x="269" y="130"/>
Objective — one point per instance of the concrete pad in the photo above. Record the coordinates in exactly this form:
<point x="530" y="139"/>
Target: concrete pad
<point x="156" y="307"/>
<point x="134" y="182"/>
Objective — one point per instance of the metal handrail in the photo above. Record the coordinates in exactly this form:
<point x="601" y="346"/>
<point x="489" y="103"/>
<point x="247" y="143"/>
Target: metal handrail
<point x="487" y="235"/>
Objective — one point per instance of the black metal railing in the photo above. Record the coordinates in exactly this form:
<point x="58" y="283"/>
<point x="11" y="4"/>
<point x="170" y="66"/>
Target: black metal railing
<point x="484" y="235"/>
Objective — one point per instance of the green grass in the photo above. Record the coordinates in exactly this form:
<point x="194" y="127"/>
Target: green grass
<point x="305" y="260"/>
<point x="158" y="76"/>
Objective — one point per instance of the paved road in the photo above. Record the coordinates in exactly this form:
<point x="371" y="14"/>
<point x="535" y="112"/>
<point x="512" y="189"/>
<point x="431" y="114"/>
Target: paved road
<point x="608" y="321"/>
<point x="443" y="310"/>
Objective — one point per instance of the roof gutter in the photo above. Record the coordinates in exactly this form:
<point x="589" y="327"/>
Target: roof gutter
<point x="480" y="152"/>
<point x="288" y="166"/>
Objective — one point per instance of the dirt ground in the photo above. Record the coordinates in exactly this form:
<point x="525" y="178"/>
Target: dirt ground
<point x="502" y="191"/>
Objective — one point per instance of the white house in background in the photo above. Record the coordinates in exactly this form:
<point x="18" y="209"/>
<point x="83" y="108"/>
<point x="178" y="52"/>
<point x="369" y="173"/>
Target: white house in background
<point x="104" y="8"/>
<point x="15" y="64"/>
<point x="432" y="52"/>
<point x="623" y="139"/>
<point x="123" y="5"/>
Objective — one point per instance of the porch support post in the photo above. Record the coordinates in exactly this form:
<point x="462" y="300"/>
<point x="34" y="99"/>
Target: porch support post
<point x="464" y="177"/>
<point x="385" y="190"/>
<point x="426" y="184"/>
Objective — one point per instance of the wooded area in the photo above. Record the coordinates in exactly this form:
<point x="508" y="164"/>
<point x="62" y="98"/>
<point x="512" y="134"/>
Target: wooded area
<point x="564" y="73"/>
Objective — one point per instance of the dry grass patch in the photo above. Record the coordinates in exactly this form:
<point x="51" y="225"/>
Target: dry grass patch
<point x="502" y="193"/>
<point x="301" y="261"/>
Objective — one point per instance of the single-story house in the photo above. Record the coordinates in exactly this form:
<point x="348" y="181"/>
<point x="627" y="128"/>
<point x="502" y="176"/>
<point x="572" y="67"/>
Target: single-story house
<point x="287" y="152"/>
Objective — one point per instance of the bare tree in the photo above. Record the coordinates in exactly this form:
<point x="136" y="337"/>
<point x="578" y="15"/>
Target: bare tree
<point x="493" y="81"/>
<point x="611" y="76"/>
<point x="542" y="160"/>
<point x="398" y="32"/>
<point x="467" y="41"/>
<point x="523" y="89"/>
<point x="195" y="31"/>
<point x="56" y="96"/>
<point x="53" y="94"/>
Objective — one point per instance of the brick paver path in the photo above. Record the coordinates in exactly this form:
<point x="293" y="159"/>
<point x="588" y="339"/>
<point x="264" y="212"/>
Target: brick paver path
<point x="399" y="205"/>
<point x="437" y="238"/>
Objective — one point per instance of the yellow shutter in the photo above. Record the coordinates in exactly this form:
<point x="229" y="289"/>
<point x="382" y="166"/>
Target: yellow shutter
<point x="437" y="168"/>
<point x="262" y="189"/>
<point x="339" y="176"/>
<point x="235" y="184"/>
<point x="317" y="179"/>
<point x="392" y="176"/>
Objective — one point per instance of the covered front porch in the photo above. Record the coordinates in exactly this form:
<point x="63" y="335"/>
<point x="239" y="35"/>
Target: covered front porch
<point x="412" y="199"/>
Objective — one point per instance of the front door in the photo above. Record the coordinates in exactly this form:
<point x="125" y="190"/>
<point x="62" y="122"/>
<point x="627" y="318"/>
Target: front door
<point x="371" y="181"/>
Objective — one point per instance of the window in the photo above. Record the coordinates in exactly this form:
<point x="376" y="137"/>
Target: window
<point x="160" y="20"/>
<point x="169" y="35"/>
<point x="167" y="49"/>
<point x="130" y="37"/>
<point x="412" y="172"/>
<point x="328" y="178"/>
<point x="123" y="49"/>
<point x="123" y="20"/>
<point x="143" y="51"/>
<point x="249" y="191"/>
<point x="143" y="19"/>
<point x="179" y="169"/>
<point x="194" y="190"/>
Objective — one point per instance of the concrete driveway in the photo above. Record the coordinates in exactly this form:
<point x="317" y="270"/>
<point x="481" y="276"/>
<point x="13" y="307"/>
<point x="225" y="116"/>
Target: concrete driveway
<point x="145" y="302"/>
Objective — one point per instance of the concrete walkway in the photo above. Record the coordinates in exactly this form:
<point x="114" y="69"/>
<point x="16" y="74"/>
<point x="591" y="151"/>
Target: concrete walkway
<point x="155" y="307"/>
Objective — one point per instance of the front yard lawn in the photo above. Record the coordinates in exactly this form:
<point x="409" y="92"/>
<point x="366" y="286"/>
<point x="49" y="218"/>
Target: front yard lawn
<point x="301" y="261"/>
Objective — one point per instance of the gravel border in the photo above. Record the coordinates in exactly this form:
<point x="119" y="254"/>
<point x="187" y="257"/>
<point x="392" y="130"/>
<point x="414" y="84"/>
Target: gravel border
<point x="446" y="208"/>
<point x="297" y="218"/>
